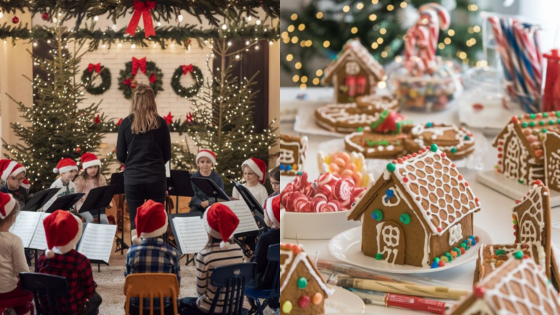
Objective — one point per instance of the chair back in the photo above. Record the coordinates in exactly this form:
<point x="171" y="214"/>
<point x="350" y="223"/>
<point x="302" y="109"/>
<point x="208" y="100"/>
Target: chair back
<point x="47" y="292"/>
<point x="230" y="281"/>
<point x="151" y="285"/>
<point x="273" y="258"/>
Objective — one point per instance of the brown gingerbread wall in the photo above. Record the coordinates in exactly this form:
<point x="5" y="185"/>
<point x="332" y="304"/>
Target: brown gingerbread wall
<point x="464" y="306"/>
<point x="552" y="151"/>
<point x="293" y="293"/>
<point x="340" y="80"/>
<point x="439" y="245"/>
<point x="507" y="145"/>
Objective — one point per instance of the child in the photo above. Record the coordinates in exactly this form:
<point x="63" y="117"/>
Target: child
<point x="274" y="176"/>
<point x="63" y="230"/>
<point x="205" y="160"/>
<point x="12" y="256"/>
<point x="13" y="176"/>
<point x="67" y="168"/>
<point x="254" y="171"/>
<point x="90" y="178"/>
<point x="152" y="254"/>
<point x="220" y="223"/>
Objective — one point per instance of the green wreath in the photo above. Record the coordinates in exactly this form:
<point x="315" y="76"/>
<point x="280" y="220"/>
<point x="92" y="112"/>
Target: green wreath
<point x="126" y="78"/>
<point x="196" y="74"/>
<point x="105" y="79"/>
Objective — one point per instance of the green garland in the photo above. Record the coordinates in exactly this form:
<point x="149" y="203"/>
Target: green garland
<point x="178" y="125"/>
<point x="126" y="74"/>
<point x="87" y="78"/>
<point x="193" y="89"/>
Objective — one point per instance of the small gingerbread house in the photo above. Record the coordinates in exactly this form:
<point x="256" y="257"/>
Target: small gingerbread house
<point x="292" y="154"/>
<point x="353" y="73"/>
<point x="518" y="286"/>
<point x="419" y="212"/>
<point x="302" y="288"/>
<point x="552" y="159"/>
<point x="521" y="147"/>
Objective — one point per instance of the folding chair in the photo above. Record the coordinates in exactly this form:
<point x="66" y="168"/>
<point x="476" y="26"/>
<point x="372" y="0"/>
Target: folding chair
<point x="151" y="285"/>
<point x="230" y="281"/>
<point x="269" y="294"/>
<point x="47" y="292"/>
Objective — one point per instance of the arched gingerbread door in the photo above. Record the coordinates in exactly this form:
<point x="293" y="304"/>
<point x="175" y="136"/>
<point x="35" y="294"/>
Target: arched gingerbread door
<point x="390" y="242"/>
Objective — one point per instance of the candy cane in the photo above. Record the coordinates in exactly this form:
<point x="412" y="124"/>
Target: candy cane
<point x="429" y="19"/>
<point x="501" y="48"/>
<point x="529" y="62"/>
<point x="442" y="13"/>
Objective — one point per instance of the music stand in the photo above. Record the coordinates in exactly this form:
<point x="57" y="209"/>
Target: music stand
<point x="64" y="202"/>
<point x="210" y="188"/>
<point x="253" y="204"/>
<point x="117" y="180"/>
<point x="97" y="199"/>
<point x="170" y="219"/>
<point x="179" y="184"/>
<point x="39" y="199"/>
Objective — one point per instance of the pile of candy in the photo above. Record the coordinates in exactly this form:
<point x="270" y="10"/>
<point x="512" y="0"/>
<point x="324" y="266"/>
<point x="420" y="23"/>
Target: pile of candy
<point x="429" y="92"/>
<point x="455" y="252"/>
<point x="345" y="165"/>
<point x="329" y="193"/>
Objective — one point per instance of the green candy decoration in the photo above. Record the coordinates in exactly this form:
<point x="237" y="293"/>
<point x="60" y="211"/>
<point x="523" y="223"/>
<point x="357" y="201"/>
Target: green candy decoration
<point x="405" y="218"/>
<point x="500" y="252"/>
<point x="544" y="130"/>
<point x="454" y="150"/>
<point x="379" y="256"/>
<point x="377" y="215"/>
<point x="302" y="283"/>
<point x="524" y="125"/>
<point x="532" y="116"/>
<point x="518" y="254"/>
<point x="360" y="129"/>
<point x="551" y="122"/>
<point x="436" y="259"/>
<point x="545" y="115"/>
<point x="433" y="147"/>
<point x="532" y="124"/>
<point x="558" y="114"/>
<point x="391" y="167"/>
<point x="542" y="123"/>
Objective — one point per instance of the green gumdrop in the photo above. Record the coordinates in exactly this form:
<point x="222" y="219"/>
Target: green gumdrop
<point x="500" y="252"/>
<point x="360" y="129"/>
<point x="391" y="167"/>
<point x="405" y="218"/>
<point x="302" y="283"/>
<point x="433" y="147"/>
<point x="377" y="215"/>
<point x="453" y="150"/>
<point x="379" y="256"/>
<point x="518" y="254"/>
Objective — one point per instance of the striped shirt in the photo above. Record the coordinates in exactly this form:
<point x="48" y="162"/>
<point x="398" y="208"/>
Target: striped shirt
<point x="206" y="260"/>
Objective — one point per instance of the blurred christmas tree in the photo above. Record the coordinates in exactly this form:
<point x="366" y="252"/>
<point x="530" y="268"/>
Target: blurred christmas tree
<point x="322" y="27"/>
<point x="56" y="127"/>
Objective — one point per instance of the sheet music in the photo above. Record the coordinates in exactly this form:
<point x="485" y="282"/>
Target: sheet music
<point x="191" y="234"/>
<point x="25" y="226"/>
<point x="97" y="241"/>
<point x="246" y="220"/>
<point x="39" y="240"/>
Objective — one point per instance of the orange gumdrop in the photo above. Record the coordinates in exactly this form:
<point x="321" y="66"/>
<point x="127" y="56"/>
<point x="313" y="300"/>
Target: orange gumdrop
<point x="351" y="167"/>
<point x="339" y="161"/>
<point x="357" y="177"/>
<point x="334" y="168"/>
<point x="347" y="173"/>
<point x="345" y="156"/>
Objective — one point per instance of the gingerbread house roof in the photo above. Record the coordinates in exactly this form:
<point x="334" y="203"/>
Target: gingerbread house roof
<point x="517" y="287"/>
<point x="297" y="256"/>
<point x="432" y="183"/>
<point x="364" y="58"/>
<point x="531" y="129"/>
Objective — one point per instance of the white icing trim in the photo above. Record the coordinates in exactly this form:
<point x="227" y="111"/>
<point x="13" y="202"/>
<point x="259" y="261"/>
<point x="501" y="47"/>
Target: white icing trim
<point x="396" y="195"/>
<point x="455" y="234"/>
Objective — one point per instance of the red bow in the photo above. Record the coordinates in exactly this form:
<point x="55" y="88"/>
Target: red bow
<point x="168" y="119"/>
<point x="187" y="69"/>
<point x="189" y="118"/>
<point x="138" y="63"/>
<point x="119" y="122"/>
<point x="97" y="120"/>
<point x="153" y="78"/>
<point x="142" y="9"/>
<point x="97" y="67"/>
<point x="126" y="82"/>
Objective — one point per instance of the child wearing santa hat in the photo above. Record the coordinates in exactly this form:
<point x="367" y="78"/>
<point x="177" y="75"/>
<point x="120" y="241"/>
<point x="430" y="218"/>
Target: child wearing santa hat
<point x="205" y="161"/>
<point x="149" y="253"/>
<point x="220" y="223"/>
<point x="12" y="257"/>
<point x="67" y="168"/>
<point x="90" y="178"/>
<point x="254" y="173"/>
<point x="63" y="230"/>
<point x="274" y="178"/>
<point x="12" y="174"/>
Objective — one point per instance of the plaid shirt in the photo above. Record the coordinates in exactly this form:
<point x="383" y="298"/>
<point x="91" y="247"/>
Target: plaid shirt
<point x="76" y="268"/>
<point x="152" y="256"/>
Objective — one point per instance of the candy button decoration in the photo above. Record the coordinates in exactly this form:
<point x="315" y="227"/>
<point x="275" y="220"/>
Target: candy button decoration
<point x="405" y="218"/>
<point x="433" y="147"/>
<point x="303" y="301"/>
<point x="287" y="307"/>
<point x="302" y="283"/>
<point x="391" y="167"/>
<point x="518" y="254"/>
<point x="377" y="215"/>
<point x="379" y="256"/>
<point x="390" y="193"/>
<point x="317" y="298"/>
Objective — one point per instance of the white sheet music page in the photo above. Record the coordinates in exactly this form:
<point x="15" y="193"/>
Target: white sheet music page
<point x="246" y="220"/>
<point x="191" y="234"/>
<point x="25" y="226"/>
<point x="97" y="241"/>
<point x="39" y="240"/>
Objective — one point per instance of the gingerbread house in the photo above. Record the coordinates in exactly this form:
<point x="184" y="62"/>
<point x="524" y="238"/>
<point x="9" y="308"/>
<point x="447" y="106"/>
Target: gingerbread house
<point x="353" y="73"/>
<point x="552" y="159"/>
<point x="292" y="154"/>
<point x="419" y="212"/>
<point x="518" y="286"/>
<point x="302" y="289"/>
<point x="521" y="148"/>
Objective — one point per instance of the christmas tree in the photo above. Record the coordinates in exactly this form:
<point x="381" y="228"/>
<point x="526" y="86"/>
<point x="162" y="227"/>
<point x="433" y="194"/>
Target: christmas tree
<point x="222" y="120"/>
<point x="57" y="126"/>
<point x="380" y="25"/>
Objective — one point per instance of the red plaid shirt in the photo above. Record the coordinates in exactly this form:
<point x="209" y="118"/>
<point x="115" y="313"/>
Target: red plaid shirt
<point x="76" y="268"/>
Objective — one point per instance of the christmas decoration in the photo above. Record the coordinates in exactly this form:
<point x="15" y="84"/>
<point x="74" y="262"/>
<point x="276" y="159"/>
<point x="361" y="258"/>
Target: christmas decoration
<point x="91" y="73"/>
<point x="196" y="75"/>
<point x="45" y="16"/>
<point x="127" y="76"/>
<point x="15" y="20"/>
<point x="57" y="124"/>
<point x="142" y="10"/>
<point x="168" y="119"/>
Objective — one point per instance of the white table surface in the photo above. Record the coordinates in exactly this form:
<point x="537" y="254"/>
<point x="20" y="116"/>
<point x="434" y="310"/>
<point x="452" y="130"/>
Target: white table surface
<point x="494" y="217"/>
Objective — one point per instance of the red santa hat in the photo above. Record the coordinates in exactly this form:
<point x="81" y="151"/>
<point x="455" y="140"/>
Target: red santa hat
<point x="63" y="230"/>
<point x="258" y="167"/>
<point x="272" y="210"/>
<point x="7" y="203"/>
<point x="207" y="154"/>
<point x="220" y="222"/>
<point x="10" y="168"/>
<point x="151" y="221"/>
<point x="25" y="183"/>
<point x="89" y="160"/>
<point x="65" y="165"/>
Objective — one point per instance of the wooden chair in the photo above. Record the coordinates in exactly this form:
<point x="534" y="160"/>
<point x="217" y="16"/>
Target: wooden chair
<point x="151" y="285"/>
<point x="230" y="280"/>
<point x="47" y="291"/>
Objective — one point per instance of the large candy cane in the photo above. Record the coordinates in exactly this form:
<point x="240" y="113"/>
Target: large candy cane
<point x="442" y="13"/>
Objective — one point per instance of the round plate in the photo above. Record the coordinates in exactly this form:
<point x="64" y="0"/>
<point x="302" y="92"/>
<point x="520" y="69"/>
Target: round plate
<point x="344" y="302"/>
<point x="346" y="247"/>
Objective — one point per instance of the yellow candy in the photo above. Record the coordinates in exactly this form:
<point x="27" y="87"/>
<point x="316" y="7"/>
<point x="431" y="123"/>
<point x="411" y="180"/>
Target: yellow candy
<point x="328" y="159"/>
<point x="294" y="167"/>
<point x="317" y="299"/>
<point x="359" y="164"/>
<point x="287" y="307"/>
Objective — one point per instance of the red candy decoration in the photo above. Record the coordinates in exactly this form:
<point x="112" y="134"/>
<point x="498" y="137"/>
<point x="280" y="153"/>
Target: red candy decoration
<point x="441" y="263"/>
<point x="304" y="301"/>
<point x="439" y="229"/>
<point x="405" y="179"/>
<point x="443" y="154"/>
<point x="343" y="189"/>
<point x="537" y="182"/>
<point x="15" y="20"/>
<point x="478" y="107"/>
<point x="478" y="291"/>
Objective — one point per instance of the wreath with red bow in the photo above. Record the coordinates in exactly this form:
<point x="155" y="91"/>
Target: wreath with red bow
<point x="88" y="76"/>
<point x="196" y="75"/>
<point x="127" y="76"/>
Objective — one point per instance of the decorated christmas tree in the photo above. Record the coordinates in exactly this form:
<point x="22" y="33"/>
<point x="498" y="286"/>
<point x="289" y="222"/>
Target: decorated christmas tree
<point x="57" y="126"/>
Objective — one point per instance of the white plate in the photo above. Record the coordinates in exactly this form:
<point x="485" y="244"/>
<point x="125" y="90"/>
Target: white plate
<point x="346" y="247"/>
<point x="316" y="226"/>
<point x="344" y="302"/>
<point x="305" y="122"/>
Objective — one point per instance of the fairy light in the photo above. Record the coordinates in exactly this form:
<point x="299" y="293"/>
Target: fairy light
<point x="346" y="8"/>
<point x="372" y="17"/>
<point x="293" y="17"/>
<point x="451" y="32"/>
<point x="359" y="6"/>
<point x="326" y="44"/>
<point x="319" y="15"/>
